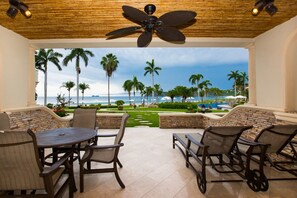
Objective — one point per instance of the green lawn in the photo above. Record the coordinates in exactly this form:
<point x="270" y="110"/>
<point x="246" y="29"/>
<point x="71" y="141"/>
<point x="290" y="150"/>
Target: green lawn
<point x="140" y="116"/>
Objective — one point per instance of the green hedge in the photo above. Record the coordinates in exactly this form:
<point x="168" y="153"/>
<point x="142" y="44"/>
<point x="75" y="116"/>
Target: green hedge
<point x="178" y="105"/>
<point x="91" y="106"/>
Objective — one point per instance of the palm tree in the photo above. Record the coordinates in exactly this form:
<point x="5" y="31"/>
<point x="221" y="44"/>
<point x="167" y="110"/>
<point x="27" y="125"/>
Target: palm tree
<point x="234" y="75"/>
<point x="243" y="77"/>
<point x="83" y="87"/>
<point x="141" y="88"/>
<point x="148" y="92"/>
<point x="158" y="91"/>
<point x="135" y="85"/>
<point x="171" y="93"/>
<point x="215" y="92"/>
<point x="42" y="58"/>
<point x="127" y="86"/>
<point x="204" y="86"/>
<point x="78" y="53"/>
<point x="183" y="91"/>
<point x="68" y="85"/>
<point x="110" y="64"/>
<point x="195" y="79"/>
<point x="152" y="70"/>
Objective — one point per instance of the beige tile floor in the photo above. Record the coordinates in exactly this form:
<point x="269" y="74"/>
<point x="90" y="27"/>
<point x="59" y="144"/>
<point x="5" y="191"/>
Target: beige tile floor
<point x="153" y="169"/>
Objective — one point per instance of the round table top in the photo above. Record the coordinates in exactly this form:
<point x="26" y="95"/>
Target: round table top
<point x="64" y="136"/>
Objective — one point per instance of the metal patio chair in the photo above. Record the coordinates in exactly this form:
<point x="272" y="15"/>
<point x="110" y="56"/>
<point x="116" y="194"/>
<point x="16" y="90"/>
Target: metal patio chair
<point x="215" y="148"/>
<point x="82" y="118"/>
<point x="21" y="170"/>
<point x="277" y="138"/>
<point x="104" y="154"/>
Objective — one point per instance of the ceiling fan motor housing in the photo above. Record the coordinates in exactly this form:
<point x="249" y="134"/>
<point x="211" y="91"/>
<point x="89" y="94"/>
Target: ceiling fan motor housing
<point x="150" y="9"/>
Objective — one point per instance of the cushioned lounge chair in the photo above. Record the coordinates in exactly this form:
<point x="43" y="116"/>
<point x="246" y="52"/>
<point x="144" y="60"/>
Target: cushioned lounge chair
<point x="216" y="147"/>
<point x="21" y="170"/>
<point x="277" y="139"/>
<point x="104" y="154"/>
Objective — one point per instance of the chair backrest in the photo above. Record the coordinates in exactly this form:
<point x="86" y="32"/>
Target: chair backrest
<point x="278" y="136"/>
<point x="121" y="132"/>
<point x="19" y="161"/>
<point x="84" y="118"/>
<point x="221" y="140"/>
<point x="4" y="122"/>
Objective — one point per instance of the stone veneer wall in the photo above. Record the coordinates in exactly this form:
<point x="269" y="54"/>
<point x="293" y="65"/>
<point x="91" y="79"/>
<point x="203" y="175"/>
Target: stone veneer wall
<point x="180" y="120"/>
<point x="109" y="120"/>
<point x="241" y="115"/>
<point x="41" y="118"/>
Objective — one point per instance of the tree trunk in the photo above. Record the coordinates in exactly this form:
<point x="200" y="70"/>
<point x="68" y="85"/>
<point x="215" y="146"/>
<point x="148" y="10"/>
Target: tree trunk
<point x="235" y="88"/>
<point x="153" y="94"/>
<point x="77" y="91"/>
<point x="45" y="86"/>
<point x="108" y="95"/>
<point x="69" y="98"/>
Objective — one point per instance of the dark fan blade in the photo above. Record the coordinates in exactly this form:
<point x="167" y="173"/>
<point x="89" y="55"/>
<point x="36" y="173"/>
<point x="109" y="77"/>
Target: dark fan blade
<point x="170" y="34"/>
<point x="177" y="18"/>
<point x="121" y="31"/>
<point x="144" y="39"/>
<point x="135" y="14"/>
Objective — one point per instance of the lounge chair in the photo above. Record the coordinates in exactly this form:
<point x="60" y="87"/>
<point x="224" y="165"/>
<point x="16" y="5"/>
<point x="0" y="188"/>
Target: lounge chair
<point x="276" y="138"/>
<point x="21" y="170"/>
<point x="216" y="144"/>
<point x="104" y="154"/>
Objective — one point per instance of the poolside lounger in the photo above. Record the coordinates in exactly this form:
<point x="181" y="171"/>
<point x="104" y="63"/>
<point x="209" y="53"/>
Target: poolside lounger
<point x="217" y="148"/>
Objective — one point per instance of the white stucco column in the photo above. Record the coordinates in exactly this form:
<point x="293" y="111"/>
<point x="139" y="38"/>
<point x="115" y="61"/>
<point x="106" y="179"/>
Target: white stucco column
<point x="252" y="75"/>
<point x="32" y="77"/>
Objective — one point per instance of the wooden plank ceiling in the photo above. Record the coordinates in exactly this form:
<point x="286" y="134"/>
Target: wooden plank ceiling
<point x="61" y="19"/>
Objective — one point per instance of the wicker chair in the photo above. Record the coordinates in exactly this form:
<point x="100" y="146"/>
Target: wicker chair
<point x="276" y="138"/>
<point x="4" y="121"/>
<point x="21" y="170"/>
<point x="104" y="154"/>
<point x="216" y="143"/>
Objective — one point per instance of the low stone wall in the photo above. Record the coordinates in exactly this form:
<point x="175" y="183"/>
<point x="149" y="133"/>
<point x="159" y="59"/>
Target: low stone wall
<point x="36" y="118"/>
<point x="241" y="115"/>
<point x="109" y="120"/>
<point x="41" y="118"/>
<point x="180" y="120"/>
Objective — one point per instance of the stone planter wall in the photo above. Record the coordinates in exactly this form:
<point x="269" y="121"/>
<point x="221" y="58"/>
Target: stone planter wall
<point x="41" y="118"/>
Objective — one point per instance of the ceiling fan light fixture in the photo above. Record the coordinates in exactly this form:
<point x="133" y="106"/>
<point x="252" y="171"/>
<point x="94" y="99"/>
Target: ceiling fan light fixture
<point x="268" y="5"/>
<point x="25" y="10"/>
<point x="12" y="12"/>
<point x="16" y="5"/>
<point x="271" y="9"/>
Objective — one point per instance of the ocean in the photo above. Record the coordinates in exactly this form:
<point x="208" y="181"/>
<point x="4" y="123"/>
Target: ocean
<point x="103" y="99"/>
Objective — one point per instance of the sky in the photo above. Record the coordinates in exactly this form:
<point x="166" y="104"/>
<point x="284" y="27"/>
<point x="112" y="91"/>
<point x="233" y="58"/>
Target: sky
<point x="177" y="64"/>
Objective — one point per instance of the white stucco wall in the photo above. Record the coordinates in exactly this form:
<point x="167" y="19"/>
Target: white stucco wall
<point x="271" y="50"/>
<point x="14" y="70"/>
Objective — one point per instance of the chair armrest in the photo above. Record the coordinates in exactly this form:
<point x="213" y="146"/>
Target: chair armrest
<point x="190" y="138"/>
<point x="106" y="135"/>
<point x="105" y="146"/>
<point x="56" y="165"/>
<point x="247" y="142"/>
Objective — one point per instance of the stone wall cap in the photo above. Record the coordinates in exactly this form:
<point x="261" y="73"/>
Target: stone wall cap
<point x="110" y="114"/>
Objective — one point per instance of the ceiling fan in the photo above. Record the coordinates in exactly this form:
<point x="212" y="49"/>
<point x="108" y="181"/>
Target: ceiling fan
<point x="165" y="26"/>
